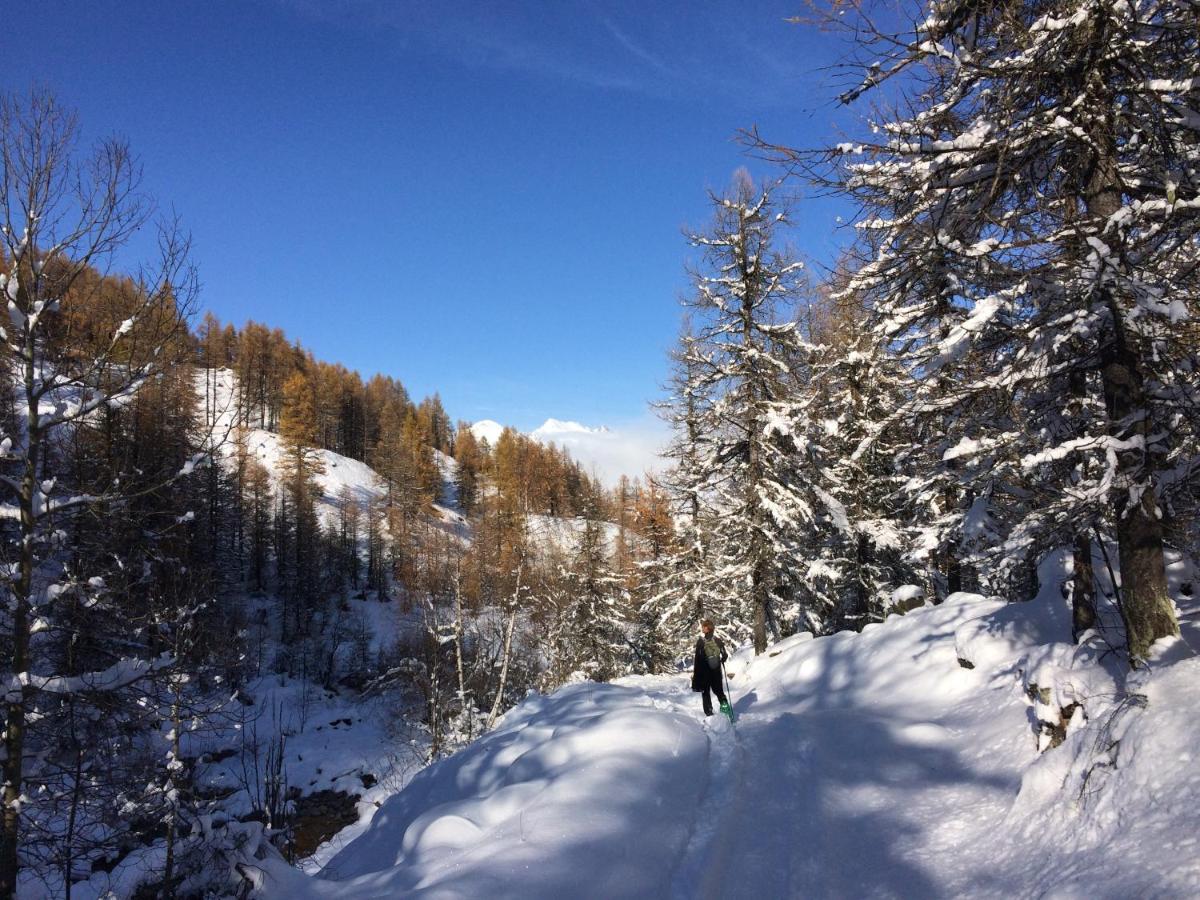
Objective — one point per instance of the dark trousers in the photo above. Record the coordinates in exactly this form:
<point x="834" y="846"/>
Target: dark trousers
<point x="707" y="697"/>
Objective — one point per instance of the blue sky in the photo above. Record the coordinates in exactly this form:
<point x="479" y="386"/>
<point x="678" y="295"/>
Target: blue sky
<point x="485" y="200"/>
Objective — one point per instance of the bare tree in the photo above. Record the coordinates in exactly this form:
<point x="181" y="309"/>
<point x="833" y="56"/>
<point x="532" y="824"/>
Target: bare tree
<point x="64" y="214"/>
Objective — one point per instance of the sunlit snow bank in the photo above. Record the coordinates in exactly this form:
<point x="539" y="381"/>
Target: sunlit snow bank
<point x="876" y="765"/>
<point x="579" y="774"/>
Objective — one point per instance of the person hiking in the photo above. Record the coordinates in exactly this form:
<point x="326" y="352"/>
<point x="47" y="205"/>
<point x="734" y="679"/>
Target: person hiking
<point x="706" y="670"/>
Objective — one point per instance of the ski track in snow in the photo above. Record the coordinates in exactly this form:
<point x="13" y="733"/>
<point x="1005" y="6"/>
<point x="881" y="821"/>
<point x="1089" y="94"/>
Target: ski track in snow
<point x="701" y="867"/>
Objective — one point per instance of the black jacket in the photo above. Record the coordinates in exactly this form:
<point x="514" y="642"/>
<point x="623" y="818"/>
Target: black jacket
<point x="704" y="677"/>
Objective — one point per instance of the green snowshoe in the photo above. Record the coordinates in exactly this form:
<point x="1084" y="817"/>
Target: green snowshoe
<point x="728" y="710"/>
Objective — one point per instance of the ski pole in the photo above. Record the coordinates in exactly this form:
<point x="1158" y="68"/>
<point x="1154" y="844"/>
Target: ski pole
<point x="728" y="693"/>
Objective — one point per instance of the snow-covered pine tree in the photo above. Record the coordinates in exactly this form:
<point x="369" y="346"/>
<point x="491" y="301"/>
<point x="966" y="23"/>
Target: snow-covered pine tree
<point x="1034" y="206"/>
<point x="678" y="579"/>
<point x="738" y="372"/>
<point x="845" y="415"/>
<point x="652" y="580"/>
<point x="589" y="634"/>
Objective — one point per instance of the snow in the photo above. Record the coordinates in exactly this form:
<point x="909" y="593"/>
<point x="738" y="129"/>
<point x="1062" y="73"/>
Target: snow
<point x="914" y="759"/>
<point x="487" y="430"/>
<point x="340" y="476"/>
<point x="119" y="674"/>
<point x="872" y="765"/>
<point x="955" y="344"/>
<point x="906" y="593"/>
<point x="554" y="533"/>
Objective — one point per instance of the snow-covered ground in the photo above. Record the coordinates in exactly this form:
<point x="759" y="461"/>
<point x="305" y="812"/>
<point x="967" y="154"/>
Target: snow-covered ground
<point x="873" y="765"/>
<point x="904" y="762"/>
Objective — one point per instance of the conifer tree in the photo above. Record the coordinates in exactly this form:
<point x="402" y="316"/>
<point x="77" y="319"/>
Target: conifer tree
<point x="299" y="530"/>
<point x="589" y="634"/>
<point x="1033" y="219"/>
<point x="655" y="579"/>
<point x="256" y="506"/>
<point x="470" y="458"/>
<point x="738" y="363"/>
<point x="678" y="586"/>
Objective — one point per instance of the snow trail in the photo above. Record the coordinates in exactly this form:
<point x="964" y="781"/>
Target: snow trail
<point x="871" y="765"/>
<point x="699" y="873"/>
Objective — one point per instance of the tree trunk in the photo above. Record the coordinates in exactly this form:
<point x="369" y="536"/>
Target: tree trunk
<point x="1145" y="605"/>
<point x="465" y="702"/>
<point x="1083" y="589"/>
<point x="1083" y="585"/>
<point x="759" y="564"/>
<point x="507" y="654"/>
<point x="14" y="733"/>
<point x="859" y="613"/>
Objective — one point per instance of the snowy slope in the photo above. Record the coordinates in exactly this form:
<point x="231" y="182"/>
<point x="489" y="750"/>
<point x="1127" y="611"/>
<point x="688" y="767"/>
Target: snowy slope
<point x="861" y="766"/>
<point x="340" y="477"/>
<point x="554" y="533"/>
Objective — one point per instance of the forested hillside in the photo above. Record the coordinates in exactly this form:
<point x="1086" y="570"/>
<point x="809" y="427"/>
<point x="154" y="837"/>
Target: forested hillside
<point x="216" y="543"/>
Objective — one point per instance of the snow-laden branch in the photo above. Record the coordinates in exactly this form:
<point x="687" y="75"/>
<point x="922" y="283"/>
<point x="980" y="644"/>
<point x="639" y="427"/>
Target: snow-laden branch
<point x="119" y="675"/>
<point x="1104" y="443"/>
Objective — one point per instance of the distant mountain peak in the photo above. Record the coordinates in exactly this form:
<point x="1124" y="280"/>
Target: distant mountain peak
<point x="487" y="430"/>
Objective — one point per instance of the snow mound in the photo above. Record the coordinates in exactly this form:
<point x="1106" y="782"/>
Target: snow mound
<point x="479" y="823"/>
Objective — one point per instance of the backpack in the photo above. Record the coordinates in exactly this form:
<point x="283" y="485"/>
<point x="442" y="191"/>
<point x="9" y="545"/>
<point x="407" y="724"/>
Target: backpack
<point x="712" y="652"/>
